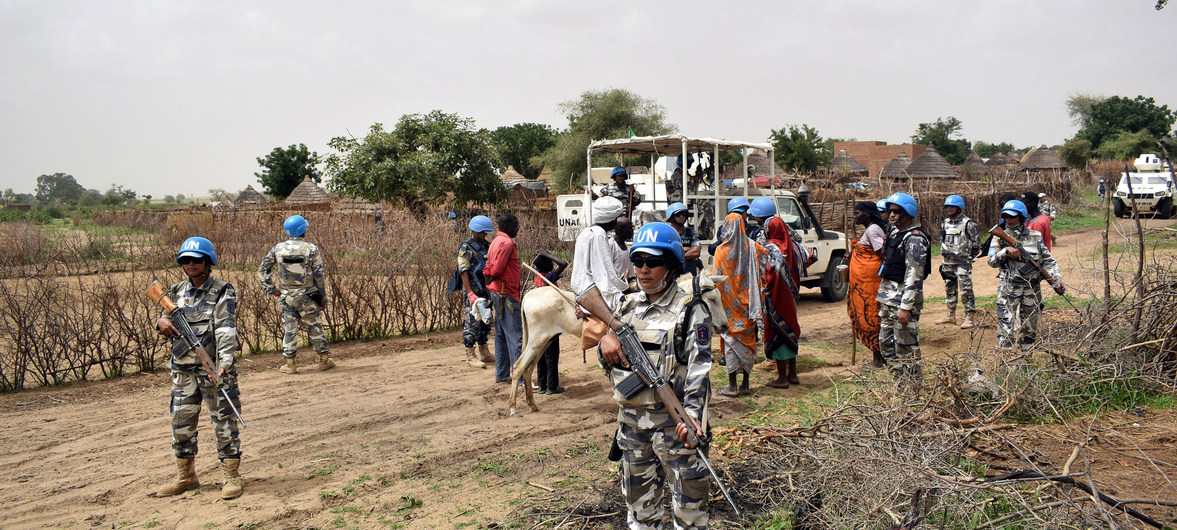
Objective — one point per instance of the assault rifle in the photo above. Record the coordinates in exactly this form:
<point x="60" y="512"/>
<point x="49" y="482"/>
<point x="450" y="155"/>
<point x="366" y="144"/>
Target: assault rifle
<point x="155" y="293"/>
<point x="1055" y="283"/>
<point x="646" y="376"/>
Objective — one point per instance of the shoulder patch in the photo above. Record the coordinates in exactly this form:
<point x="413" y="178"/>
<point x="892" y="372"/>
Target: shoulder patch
<point x="702" y="335"/>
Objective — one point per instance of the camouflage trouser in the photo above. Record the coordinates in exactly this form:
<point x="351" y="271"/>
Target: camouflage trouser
<point x="307" y="312"/>
<point x="900" y="345"/>
<point x="188" y="390"/>
<point x="1018" y="308"/>
<point x="474" y="331"/>
<point x="652" y="456"/>
<point x="958" y="273"/>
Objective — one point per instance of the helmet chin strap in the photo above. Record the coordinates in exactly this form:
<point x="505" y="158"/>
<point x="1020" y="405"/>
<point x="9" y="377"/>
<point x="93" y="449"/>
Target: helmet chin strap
<point x="658" y="287"/>
<point x="203" y="274"/>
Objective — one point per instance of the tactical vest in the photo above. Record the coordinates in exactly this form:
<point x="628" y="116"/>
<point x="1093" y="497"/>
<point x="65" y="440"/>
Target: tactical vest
<point x="662" y="343"/>
<point x="956" y="239"/>
<point x="894" y="260"/>
<point x="200" y="318"/>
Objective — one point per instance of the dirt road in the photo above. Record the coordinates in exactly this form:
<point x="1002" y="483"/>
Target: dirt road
<point x="400" y="433"/>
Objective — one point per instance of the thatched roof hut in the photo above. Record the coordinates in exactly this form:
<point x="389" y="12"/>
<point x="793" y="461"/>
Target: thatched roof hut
<point x="356" y="205"/>
<point x="896" y="169"/>
<point x="844" y="165"/>
<point x="1042" y="158"/>
<point x="1012" y="157"/>
<point x="973" y="160"/>
<point x="250" y="196"/>
<point x="931" y="165"/>
<point x="997" y="159"/>
<point x="308" y="192"/>
<point x="510" y="176"/>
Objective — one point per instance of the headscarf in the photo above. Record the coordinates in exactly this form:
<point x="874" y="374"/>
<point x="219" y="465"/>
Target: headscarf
<point x="606" y="209"/>
<point x="780" y="309"/>
<point x="744" y="262"/>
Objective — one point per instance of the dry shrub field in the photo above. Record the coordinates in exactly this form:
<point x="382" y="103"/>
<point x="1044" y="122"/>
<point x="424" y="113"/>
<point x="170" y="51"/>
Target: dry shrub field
<point x="73" y="305"/>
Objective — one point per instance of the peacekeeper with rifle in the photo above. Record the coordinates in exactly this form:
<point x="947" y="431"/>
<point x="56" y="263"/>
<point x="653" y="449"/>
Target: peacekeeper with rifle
<point x="658" y="440"/>
<point x="1023" y="261"/>
<point x="301" y="289"/>
<point x="209" y="306"/>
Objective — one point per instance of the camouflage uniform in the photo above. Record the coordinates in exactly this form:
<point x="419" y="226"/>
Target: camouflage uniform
<point x="472" y="258"/>
<point x="653" y="459"/>
<point x="1048" y="209"/>
<point x="300" y="277"/>
<point x="211" y="310"/>
<point x="960" y="239"/>
<point x="898" y="344"/>
<point x="1019" y="293"/>
<point x="623" y="195"/>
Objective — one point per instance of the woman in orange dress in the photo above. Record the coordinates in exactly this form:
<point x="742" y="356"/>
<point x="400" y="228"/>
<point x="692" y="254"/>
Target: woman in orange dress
<point x="745" y="263"/>
<point x="866" y="256"/>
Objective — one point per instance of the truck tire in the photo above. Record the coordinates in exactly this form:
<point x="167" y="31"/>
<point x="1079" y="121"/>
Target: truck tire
<point x="1118" y="208"/>
<point x="833" y="289"/>
<point x="1165" y="208"/>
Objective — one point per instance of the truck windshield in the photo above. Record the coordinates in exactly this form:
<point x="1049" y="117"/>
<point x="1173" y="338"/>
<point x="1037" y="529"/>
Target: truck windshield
<point x="790" y="211"/>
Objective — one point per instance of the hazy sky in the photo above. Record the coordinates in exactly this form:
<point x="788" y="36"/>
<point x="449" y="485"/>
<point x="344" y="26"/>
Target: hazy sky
<point x="179" y="97"/>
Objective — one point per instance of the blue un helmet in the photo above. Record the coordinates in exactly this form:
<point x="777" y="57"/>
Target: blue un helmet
<point x="675" y="209"/>
<point x="955" y="200"/>
<point x="656" y="239"/>
<point x="481" y="223"/>
<point x="295" y="226"/>
<point x="736" y="204"/>
<point x="198" y="247"/>
<point x="905" y="201"/>
<point x="618" y="171"/>
<point x="1016" y="207"/>
<point x="762" y="207"/>
<point x="881" y="205"/>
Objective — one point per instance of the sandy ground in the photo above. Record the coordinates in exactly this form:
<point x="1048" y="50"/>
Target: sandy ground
<point x="400" y="434"/>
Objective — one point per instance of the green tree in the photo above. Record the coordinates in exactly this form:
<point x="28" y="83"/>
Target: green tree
<point x="1079" y="107"/>
<point x="797" y="148"/>
<point x="58" y="187"/>
<point x="986" y="149"/>
<point x="424" y="158"/>
<point x="180" y="198"/>
<point x="169" y="199"/>
<point x="940" y="135"/>
<point x="599" y="115"/>
<point x="1076" y="152"/>
<point x="284" y="168"/>
<point x="1119" y="114"/>
<point x="118" y="195"/>
<point x="1126" y="145"/>
<point x="519" y="143"/>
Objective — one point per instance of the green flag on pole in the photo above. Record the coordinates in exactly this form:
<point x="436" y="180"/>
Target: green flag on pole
<point x="631" y="134"/>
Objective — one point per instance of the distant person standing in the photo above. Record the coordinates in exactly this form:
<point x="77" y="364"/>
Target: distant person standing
<point x="548" y="367"/>
<point x="906" y="260"/>
<point x="1019" y="293"/>
<point x="1038" y="221"/>
<point x="1047" y="206"/>
<point x="960" y="242"/>
<point x="745" y="263"/>
<point x="503" y="272"/>
<point x="676" y="216"/>
<point x="468" y="278"/>
<point x="301" y="290"/>
<point x="1101" y="190"/>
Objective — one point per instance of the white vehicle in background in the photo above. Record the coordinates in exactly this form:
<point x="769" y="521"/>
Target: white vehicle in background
<point x="708" y="203"/>
<point x="1150" y="188"/>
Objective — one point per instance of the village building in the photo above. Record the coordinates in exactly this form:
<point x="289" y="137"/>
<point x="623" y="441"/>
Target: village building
<point x="250" y="197"/>
<point x="896" y="168"/>
<point x="1042" y="159"/>
<point x="997" y="160"/>
<point x="307" y="192"/>
<point x="876" y="155"/>
<point x="844" y="165"/>
<point x="930" y="165"/>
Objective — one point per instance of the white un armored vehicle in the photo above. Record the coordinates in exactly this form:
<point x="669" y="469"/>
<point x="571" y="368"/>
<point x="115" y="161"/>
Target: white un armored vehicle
<point x="1152" y="188"/>
<point x="706" y="201"/>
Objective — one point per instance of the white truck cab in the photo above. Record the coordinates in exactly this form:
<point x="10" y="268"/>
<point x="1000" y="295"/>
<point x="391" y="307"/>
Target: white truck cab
<point x="706" y="202"/>
<point x="1150" y="188"/>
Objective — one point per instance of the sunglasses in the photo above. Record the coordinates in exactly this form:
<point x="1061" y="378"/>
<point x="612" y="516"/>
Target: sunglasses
<point x="895" y="211"/>
<point x="189" y="259"/>
<point x="649" y="263"/>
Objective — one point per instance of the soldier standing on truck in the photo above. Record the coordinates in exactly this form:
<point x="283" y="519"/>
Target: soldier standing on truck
<point x="301" y="290"/>
<point x="906" y="259"/>
<point x="622" y="191"/>
<point x="960" y="241"/>
<point x="210" y="306"/>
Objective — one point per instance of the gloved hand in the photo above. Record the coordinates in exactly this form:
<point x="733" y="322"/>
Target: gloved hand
<point x="471" y="297"/>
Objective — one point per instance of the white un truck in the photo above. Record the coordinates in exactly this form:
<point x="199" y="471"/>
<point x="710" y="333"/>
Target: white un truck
<point x="1149" y="189"/>
<point x="706" y="201"/>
